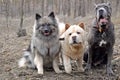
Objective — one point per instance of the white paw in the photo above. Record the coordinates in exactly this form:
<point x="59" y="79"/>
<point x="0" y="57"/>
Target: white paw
<point x="59" y="71"/>
<point x="41" y="73"/>
<point x="68" y="71"/>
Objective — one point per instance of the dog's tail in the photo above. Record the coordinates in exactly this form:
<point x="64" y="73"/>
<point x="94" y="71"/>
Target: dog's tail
<point x="27" y="59"/>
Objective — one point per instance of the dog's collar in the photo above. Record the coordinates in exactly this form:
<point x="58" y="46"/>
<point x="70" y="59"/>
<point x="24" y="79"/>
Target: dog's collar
<point x="99" y="29"/>
<point x="61" y="39"/>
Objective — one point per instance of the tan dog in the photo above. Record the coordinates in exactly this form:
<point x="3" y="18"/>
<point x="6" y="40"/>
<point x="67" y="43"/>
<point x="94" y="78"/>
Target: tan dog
<point x="73" y="46"/>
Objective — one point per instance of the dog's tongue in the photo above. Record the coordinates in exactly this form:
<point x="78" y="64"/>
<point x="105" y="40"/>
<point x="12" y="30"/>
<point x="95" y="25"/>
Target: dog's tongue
<point x="46" y="34"/>
<point x="103" y="20"/>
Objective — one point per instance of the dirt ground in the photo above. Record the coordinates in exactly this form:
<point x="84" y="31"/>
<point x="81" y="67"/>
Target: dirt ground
<point x="11" y="50"/>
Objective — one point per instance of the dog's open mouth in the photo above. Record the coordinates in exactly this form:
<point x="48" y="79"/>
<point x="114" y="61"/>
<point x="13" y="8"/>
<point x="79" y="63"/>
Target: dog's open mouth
<point x="102" y="19"/>
<point x="75" y="42"/>
<point x="47" y="32"/>
<point x="102" y="23"/>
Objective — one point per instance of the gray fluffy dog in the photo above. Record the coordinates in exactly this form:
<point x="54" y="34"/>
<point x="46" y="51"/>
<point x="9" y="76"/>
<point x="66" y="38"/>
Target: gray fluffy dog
<point x="45" y="46"/>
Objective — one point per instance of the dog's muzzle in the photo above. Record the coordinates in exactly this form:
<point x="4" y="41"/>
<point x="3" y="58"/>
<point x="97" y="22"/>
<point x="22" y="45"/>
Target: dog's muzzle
<point x="102" y="24"/>
<point x="74" y="40"/>
<point x="102" y="19"/>
<point x="47" y="32"/>
<point x="101" y="13"/>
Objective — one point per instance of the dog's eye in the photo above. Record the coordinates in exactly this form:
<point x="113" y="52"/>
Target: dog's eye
<point x="70" y="33"/>
<point x="106" y="7"/>
<point x="53" y="29"/>
<point x="96" y="8"/>
<point x="78" y="32"/>
<point x="48" y="24"/>
<point x="42" y="24"/>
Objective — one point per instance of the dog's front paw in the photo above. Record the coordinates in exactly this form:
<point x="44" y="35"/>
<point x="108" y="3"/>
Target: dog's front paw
<point x="88" y="67"/>
<point x="81" y="70"/>
<point x="68" y="71"/>
<point x="110" y="72"/>
<point x="59" y="71"/>
<point x="40" y="72"/>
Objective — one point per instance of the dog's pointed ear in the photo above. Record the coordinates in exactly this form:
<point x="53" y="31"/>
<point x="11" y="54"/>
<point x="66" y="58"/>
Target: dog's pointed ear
<point x="61" y="39"/>
<point x="82" y="25"/>
<point x="37" y="16"/>
<point x="67" y="26"/>
<point x="52" y="15"/>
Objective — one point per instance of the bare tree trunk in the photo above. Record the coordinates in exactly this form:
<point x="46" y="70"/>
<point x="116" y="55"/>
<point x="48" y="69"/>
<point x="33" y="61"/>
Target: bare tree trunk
<point x="79" y="8"/>
<point x="21" y="31"/>
<point x="61" y="6"/>
<point x="72" y="7"/>
<point x="56" y="6"/>
<point x="83" y="8"/>
<point x="45" y="7"/>
<point x="117" y="6"/>
<point x="6" y="5"/>
<point x="7" y="14"/>
<point x="42" y="7"/>
<point x="68" y="8"/>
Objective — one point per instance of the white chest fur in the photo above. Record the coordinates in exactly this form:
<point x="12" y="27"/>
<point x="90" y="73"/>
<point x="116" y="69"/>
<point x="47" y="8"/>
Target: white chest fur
<point x="102" y="42"/>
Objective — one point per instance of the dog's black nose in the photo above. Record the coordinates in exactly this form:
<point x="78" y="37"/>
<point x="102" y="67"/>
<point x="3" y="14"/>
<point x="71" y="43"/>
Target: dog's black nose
<point x="46" y="31"/>
<point x="101" y="12"/>
<point x="74" y="38"/>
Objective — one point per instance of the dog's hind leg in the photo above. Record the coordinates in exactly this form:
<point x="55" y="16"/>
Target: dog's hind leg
<point x="38" y="60"/>
<point x="89" y="62"/>
<point x="56" y="66"/>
